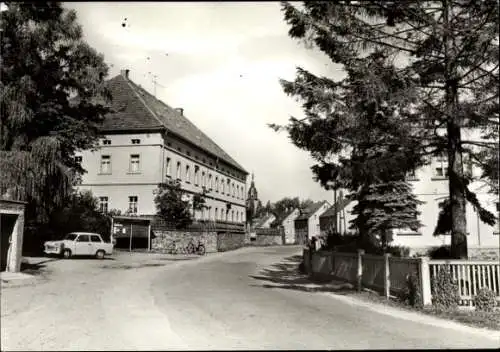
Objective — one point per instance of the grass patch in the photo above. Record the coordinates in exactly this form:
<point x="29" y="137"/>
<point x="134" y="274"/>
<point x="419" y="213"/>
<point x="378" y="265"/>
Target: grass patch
<point x="488" y="320"/>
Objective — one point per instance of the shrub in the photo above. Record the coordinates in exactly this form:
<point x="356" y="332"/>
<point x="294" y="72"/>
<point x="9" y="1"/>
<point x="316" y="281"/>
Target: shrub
<point x="485" y="300"/>
<point x="411" y="294"/>
<point x="442" y="252"/>
<point x="445" y="293"/>
<point x="398" y="251"/>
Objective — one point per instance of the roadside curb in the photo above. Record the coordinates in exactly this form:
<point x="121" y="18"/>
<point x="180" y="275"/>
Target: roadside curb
<point x="414" y="316"/>
<point x="18" y="280"/>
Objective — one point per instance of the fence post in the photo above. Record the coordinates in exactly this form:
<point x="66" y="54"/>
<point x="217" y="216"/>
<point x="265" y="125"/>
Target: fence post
<point x="360" y="269"/>
<point x="425" y="281"/>
<point x="387" y="276"/>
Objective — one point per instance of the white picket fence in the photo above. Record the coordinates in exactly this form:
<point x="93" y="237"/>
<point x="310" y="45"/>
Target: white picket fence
<point x="388" y="275"/>
<point x="470" y="276"/>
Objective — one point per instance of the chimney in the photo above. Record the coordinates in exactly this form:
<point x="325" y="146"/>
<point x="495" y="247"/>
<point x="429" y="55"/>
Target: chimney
<point x="124" y="73"/>
<point x="180" y="111"/>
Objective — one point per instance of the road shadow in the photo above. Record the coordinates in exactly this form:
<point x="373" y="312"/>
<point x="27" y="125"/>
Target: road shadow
<point x="36" y="269"/>
<point x="286" y="275"/>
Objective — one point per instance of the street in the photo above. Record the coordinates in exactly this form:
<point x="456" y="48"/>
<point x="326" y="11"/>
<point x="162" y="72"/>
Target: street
<point x="250" y="298"/>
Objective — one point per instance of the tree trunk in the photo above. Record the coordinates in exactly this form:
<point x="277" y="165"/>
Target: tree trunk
<point x="455" y="166"/>
<point x="457" y="194"/>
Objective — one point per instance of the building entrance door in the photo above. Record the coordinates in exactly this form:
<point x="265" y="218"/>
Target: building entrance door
<point x="7" y="222"/>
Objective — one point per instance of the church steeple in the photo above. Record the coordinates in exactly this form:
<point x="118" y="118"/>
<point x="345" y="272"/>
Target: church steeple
<point x="252" y="191"/>
<point x="252" y="201"/>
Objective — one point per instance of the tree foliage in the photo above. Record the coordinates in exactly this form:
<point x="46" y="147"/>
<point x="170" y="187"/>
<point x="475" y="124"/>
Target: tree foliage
<point x="51" y="102"/>
<point x="172" y="206"/>
<point x="383" y="207"/>
<point x="80" y="213"/>
<point x="427" y="69"/>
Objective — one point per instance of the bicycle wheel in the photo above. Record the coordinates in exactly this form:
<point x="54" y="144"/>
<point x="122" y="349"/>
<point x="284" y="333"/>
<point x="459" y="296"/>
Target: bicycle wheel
<point x="190" y="248"/>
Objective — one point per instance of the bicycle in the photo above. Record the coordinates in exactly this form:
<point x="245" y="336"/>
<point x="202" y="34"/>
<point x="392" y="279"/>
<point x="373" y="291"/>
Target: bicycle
<point x="195" y="249"/>
<point x="172" y="248"/>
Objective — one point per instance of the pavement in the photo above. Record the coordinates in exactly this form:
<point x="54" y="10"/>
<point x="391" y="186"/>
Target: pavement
<point x="251" y="298"/>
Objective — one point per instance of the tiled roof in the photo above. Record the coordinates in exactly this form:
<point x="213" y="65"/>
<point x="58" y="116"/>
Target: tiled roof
<point x="331" y="211"/>
<point x="135" y="108"/>
<point x="260" y="221"/>
<point x="287" y="214"/>
<point x="306" y="214"/>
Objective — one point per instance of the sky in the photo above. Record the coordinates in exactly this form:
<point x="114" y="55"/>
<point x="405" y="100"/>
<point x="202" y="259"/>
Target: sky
<point x="221" y="62"/>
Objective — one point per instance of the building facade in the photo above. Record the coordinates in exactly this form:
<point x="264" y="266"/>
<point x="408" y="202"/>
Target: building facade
<point x="145" y="143"/>
<point x="288" y="225"/>
<point x="307" y="223"/>
<point x="430" y="185"/>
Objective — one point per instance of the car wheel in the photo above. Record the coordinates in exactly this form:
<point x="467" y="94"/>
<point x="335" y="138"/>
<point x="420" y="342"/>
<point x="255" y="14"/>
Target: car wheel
<point x="67" y="254"/>
<point x="99" y="255"/>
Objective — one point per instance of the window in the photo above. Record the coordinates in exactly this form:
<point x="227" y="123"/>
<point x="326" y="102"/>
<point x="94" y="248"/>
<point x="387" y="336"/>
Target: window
<point x="203" y="179"/>
<point x="228" y="187"/>
<point x="178" y="174"/>
<point x="232" y="215"/>
<point x="440" y="167"/>
<point x="103" y="204"/>
<point x="168" y="165"/>
<point x="105" y="164"/>
<point x="216" y="214"/>
<point x="234" y="191"/>
<point x="78" y="159"/>
<point x="210" y="182"/>
<point x="132" y="204"/>
<point x="83" y="238"/>
<point x="222" y="186"/>
<point x="216" y="184"/>
<point x="106" y="141"/>
<point x="237" y="216"/>
<point x="136" y="141"/>
<point x="188" y="179"/>
<point x="135" y="166"/>
<point x="412" y="176"/>
<point x="196" y="175"/>
<point x="95" y="238"/>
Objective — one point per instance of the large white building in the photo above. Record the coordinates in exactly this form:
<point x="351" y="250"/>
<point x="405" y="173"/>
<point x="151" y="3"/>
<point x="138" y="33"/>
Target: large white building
<point x="144" y="143"/>
<point x="430" y="185"/>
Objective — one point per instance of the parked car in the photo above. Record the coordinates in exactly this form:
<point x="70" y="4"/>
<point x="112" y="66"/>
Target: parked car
<point x="80" y="243"/>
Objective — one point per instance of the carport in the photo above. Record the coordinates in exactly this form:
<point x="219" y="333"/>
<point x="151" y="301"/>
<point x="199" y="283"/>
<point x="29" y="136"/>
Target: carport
<point x="131" y="232"/>
<point x="11" y="235"/>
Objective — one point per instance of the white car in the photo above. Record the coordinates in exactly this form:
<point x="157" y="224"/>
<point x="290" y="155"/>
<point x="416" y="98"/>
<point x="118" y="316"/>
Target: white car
<point x="79" y="243"/>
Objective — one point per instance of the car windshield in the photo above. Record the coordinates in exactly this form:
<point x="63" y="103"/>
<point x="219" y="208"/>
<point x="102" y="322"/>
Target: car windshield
<point x="70" y="236"/>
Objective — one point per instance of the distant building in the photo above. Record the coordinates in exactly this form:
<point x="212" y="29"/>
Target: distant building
<point x="288" y="224"/>
<point x="252" y="202"/>
<point x="264" y="222"/>
<point x="334" y="219"/>
<point x="307" y="223"/>
<point x="144" y="142"/>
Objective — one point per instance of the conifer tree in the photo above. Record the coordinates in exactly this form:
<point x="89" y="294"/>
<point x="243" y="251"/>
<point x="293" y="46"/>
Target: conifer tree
<point x="447" y="68"/>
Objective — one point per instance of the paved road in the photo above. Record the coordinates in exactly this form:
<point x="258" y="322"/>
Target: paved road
<point x="247" y="299"/>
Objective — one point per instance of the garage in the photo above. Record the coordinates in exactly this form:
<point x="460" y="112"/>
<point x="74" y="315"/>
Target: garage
<point x="131" y="233"/>
<point x="11" y="235"/>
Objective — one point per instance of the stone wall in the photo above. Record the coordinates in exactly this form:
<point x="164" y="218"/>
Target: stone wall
<point x="162" y="240"/>
<point x="227" y="241"/>
<point x="268" y="240"/>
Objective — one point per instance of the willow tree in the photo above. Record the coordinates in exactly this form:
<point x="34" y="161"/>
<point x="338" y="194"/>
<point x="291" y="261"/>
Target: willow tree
<point x="52" y="100"/>
<point x="446" y="50"/>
